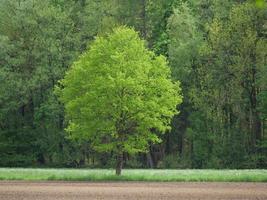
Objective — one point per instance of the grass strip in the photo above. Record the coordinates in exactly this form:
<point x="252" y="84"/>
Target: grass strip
<point x="164" y="175"/>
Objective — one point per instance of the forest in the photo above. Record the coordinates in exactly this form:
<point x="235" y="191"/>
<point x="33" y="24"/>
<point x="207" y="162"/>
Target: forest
<point x="216" y="49"/>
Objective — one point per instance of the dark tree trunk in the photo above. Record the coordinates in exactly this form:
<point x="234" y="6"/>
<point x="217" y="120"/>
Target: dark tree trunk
<point x="41" y="159"/>
<point x="256" y="121"/>
<point x="119" y="163"/>
<point x="149" y="160"/>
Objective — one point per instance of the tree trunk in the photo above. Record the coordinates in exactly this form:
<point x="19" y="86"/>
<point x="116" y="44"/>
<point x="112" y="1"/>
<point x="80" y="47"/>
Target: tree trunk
<point x="119" y="163"/>
<point x="256" y="121"/>
<point x="149" y="160"/>
<point x="143" y="17"/>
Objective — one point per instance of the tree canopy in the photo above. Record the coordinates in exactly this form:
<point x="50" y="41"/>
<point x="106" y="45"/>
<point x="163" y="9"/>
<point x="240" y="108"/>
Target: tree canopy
<point x="119" y="94"/>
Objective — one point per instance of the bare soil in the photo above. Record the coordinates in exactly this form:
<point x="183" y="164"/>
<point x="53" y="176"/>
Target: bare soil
<point x="23" y="190"/>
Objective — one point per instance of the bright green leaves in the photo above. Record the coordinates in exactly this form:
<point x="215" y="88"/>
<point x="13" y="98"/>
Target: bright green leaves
<point x="119" y="95"/>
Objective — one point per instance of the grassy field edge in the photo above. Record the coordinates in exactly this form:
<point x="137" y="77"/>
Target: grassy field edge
<point x="167" y="175"/>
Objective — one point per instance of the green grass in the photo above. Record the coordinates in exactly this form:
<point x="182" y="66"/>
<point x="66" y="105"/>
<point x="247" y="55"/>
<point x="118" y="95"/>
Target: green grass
<point x="133" y="175"/>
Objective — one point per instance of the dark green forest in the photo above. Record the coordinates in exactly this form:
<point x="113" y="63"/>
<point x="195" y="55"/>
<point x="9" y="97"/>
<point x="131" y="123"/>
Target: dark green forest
<point x="216" y="49"/>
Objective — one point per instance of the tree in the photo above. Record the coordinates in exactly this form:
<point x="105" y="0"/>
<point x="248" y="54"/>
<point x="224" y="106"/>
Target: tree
<point x="119" y="95"/>
<point x="34" y="54"/>
<point x="183" y="52"/>
<point x="31" y="57"/>
<point x="230" y="85"/>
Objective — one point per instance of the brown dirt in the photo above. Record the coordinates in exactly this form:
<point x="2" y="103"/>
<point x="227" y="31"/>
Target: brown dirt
<point x="22" y="190"/>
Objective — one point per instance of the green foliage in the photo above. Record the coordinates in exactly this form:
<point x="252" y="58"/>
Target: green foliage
<point x="36" y="47"/>
<point x="228" y="83"/>
<point x="217" y="51"/>
<point x="119" y="94"/>
<point x="184" y="41"/>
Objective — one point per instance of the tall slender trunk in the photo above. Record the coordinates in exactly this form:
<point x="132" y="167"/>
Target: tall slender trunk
<point x="119" y="163"/>
<point x="150" y="160"/>
<point x="143" y="17"/>
<point x="256" y="121"/>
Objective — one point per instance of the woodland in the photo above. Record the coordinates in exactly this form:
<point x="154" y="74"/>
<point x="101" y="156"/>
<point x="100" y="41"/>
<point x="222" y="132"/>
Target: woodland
<point x="216" y="50"/>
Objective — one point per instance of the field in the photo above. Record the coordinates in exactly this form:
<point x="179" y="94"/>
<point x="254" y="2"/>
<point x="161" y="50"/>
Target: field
<point x="134" y="175"/>
<point x="62" y="190"/>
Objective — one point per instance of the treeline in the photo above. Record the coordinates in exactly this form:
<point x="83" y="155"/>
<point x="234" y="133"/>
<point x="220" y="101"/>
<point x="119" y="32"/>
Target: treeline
<point x="217" y="50"/>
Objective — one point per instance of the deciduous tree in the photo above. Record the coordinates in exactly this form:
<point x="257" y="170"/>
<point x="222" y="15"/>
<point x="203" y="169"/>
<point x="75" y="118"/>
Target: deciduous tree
<point x="119" y="95"/>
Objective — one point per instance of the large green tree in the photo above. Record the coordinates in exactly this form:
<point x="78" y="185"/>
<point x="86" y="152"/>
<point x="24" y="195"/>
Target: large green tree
<point x="119" y="95"/>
